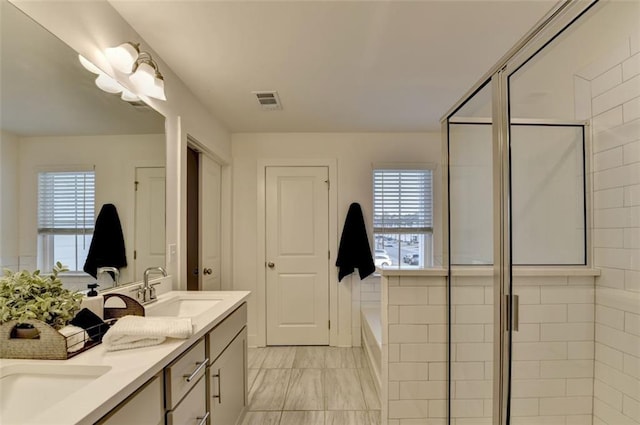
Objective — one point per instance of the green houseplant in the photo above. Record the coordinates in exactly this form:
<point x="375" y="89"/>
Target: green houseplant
<point x="25" y="295"/>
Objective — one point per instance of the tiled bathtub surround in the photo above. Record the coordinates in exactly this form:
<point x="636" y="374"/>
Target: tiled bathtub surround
<point x="552" y="353"/>
<point x="614" y="83"/>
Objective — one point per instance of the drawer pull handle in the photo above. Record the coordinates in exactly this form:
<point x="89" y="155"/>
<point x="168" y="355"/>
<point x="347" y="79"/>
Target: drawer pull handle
<point x="203" y="420"/>
<point x="219" y="396"/>
<point x="200" y="365"/>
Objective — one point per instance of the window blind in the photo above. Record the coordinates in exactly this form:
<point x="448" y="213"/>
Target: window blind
<point x="402" y="201"/>
<point x="66" y="202"/>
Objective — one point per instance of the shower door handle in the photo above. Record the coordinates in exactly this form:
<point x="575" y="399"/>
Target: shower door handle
<point x="515" y="308"/>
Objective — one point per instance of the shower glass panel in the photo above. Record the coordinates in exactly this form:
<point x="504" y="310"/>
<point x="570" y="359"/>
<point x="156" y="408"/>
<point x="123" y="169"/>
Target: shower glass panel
<point x="471" y="291"/>
<point x="570" y="106"/>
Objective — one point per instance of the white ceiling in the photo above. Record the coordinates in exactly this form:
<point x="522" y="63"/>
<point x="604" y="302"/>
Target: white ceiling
<point x="338" y="66"/>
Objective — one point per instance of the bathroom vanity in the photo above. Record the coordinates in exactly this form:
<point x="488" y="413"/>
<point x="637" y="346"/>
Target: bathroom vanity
<point x="200" y="380"/>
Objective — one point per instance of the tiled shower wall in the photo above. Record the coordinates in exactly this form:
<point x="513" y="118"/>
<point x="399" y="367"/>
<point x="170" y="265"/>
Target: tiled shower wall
<point x="614" y="85"/>
<point x="552" y="354"/>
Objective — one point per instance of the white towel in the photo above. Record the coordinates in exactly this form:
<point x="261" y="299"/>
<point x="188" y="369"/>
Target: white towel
<point x="136" y="331"/>
<point x="75" y="336"/>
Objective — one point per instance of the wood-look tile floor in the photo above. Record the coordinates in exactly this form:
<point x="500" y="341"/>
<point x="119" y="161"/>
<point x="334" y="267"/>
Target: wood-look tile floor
<point x="311" y="386"/>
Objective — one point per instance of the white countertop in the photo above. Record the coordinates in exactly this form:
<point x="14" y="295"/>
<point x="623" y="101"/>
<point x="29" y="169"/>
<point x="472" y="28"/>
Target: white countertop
<point x="129" y="369"/>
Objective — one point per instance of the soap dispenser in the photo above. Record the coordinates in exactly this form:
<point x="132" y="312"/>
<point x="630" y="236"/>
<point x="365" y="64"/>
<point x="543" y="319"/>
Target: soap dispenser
<point x="92" y="290"/>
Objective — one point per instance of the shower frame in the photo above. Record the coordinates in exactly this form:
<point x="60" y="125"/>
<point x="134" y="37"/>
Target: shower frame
<point x="559" y="19"/>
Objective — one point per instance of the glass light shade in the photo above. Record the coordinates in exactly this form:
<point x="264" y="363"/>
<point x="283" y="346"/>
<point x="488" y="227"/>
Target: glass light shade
<point x="88" y="65"/>
<point x="144" y="78"/>
<point x="157" y="92"/>
<point x="108" y="84"/>
<point x="128" y="96"/>
<point x="122" y="57"/>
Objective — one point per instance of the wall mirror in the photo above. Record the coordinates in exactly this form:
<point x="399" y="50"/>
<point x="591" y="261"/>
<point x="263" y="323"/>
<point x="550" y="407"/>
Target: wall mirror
<point x="67" y="149"/>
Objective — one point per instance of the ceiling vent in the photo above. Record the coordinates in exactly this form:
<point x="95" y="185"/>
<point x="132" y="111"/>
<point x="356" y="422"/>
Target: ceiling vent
<point x="268" y="100"/>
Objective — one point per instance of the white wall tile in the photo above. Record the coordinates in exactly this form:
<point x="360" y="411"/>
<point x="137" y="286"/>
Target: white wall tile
<point x="566" y="406"/>
<point x="607" y="394"/>
<point x="473" y="314"/>
<point x="540" y="350"/>
<point x="525" y="369"/>
<point x="425" y="314"/>
<point x="632" y="238"/>
<point x="631" y="67"/>
<point x="437" y="333"/>
<point x="527" y="333"/>
<point x="631" y="152"/>
<point x="408" y="409"/>
<point x="467" y="408"/>
<point x="606" y="81"/>
<point x="467" y="333"/>
<point x="613" y="57"/>
<point x="437" y="371"/>
<point x="473" y="390"/>
<point x="608" y="415"/>
<point x="408" y="296"/>
<point x="524" y="407"/>
<point x="423" y="352"/>
<point x="467" y="295"/>
<point x="474" y="352"/>
<point x="618" y="136"/>
<point x="632" y="365"/>
<point x="632" y="280"/>
<point x="408" y="371"/>
<point x="581" y="350"/>
<point x="437" y="408"/>
<point x="609" y="198"/>
<point x="560" y="295"/>
<point x="632" y="324"/>
<point x="610" y="317"/>
<point x="609" y="238"/>
<point x="581" y="313"/>
<point x="408" y="333"/>
<point x="632" y="195"/>
<point x="619" y="340"/>
<point x="616" y="379"/>
<point x="631" y="408"/>
<point x="631" y="110"/>
<point x="566" y="368"/>
<point x="580" y="387"/>
<point x="606" y="121"/>
<point x="543" y="313"/>
<point x="394" y="353"/>
<point x="437" y="295"/>
<point x="538" y="387"/>
<point x="527" y="294"/>
<point x="467" y="371"/>
<point x="566" y="332"/>
<point x="423" y="390"/>
<point x="617" y="96"/>
<point x="612" y="278"/>
<point x="609" y="356"/>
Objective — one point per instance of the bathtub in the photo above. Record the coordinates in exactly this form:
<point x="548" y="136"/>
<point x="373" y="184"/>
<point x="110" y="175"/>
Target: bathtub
<point x="372" y="340"/>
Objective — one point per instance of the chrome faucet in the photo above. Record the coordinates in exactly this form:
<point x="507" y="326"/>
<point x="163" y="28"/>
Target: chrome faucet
<point x="147" y="291"/>
<point x="114" y="270"/>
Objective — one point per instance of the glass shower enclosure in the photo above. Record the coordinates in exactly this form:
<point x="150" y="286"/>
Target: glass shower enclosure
<point x="543" y="213"/>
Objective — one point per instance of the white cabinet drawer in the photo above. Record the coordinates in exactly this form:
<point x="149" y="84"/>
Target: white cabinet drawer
<point x="144" y="407"/>
<point x="182" y="374"/>
<point x="192" y="410"/>
<point x="224" y="332"/>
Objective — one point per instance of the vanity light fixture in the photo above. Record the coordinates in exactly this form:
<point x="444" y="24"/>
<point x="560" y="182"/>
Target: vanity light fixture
<point x="142" y="69"/>
<point x="108" y="84"/>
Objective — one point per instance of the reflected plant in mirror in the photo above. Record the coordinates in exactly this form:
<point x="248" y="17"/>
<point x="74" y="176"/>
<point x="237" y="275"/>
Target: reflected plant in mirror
<point x="66" y="150"/>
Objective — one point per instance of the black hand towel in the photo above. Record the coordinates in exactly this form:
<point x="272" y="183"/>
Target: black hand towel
<point x="90" y="322"/>
<point x="107" y="244"/>
<point x="354" y="251"/>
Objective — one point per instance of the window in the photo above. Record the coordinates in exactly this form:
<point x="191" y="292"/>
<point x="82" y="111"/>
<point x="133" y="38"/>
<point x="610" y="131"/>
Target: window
<point x="66" y="206"/>
<point x="403" y="217"/>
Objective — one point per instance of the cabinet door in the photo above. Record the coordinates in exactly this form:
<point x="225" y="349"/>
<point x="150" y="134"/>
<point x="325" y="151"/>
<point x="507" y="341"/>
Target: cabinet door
<point x="228" y="382"/>
<point x="145" y="407"/>
<point x="192" y="409"/>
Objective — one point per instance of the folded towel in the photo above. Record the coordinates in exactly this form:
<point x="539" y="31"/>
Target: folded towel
<point x="137" y="331"/>
<point x="75" y="337"/>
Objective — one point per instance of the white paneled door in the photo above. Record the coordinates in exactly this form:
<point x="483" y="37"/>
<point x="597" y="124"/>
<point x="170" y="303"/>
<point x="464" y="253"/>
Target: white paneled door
<point x="297" y="255"/>
<point x="209" y="224"/>
<point x="149" y="242"/>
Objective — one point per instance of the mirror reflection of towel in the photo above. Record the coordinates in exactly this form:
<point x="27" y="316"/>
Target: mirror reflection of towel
<point x="354" y="251"/>
<point x="107" y="244"/>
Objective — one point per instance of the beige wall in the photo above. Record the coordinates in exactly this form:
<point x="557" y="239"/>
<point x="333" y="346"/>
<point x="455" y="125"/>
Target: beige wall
<point x="355" y="153"/>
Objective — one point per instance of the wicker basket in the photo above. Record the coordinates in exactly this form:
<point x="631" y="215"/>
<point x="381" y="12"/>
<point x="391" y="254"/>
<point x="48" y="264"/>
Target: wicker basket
<point x="51" y="344"/>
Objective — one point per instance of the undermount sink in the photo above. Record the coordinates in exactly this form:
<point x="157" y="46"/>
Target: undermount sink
<point x="181" y="306"/>
<point x="27" y="390"/>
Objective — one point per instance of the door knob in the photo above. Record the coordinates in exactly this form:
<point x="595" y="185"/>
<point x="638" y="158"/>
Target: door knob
<point x="207" y="271"/>
<point x="271" y="265"/>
